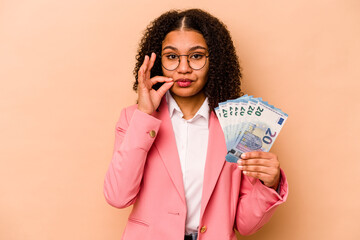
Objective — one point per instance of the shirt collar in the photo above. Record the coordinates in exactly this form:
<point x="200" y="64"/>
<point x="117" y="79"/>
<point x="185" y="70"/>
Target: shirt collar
<point x="173" y="106"/>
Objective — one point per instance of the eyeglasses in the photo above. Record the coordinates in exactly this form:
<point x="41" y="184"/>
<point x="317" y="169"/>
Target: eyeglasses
<point x="170" y="61"/>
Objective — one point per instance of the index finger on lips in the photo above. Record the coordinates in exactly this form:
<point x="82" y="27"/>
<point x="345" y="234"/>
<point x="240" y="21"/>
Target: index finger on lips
<point x="157" y="79"/>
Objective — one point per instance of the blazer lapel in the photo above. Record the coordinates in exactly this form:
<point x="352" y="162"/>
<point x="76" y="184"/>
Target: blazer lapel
<point x="166" y="145"/>
<point x="215" y="159"/>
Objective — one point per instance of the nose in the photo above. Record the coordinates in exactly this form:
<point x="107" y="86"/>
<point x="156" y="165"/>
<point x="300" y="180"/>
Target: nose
<point x="184" y="66"/>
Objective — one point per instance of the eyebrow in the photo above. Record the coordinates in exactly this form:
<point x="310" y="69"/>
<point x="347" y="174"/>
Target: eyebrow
<point x="191" y="49"/>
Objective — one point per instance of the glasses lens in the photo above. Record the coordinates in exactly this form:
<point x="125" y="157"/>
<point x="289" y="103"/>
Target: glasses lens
<point x="197" y="60"/>
<point x="170" y="61"/>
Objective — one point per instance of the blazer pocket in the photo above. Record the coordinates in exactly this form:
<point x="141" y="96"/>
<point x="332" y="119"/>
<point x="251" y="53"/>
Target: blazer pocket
<point x="136" y="229"/>
<point x="138" y="221"/>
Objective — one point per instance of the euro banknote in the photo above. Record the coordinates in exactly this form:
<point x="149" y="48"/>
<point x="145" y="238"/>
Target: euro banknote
<point x="249" y="124"/>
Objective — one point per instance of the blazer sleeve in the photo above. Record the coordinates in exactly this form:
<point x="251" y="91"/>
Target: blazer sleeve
<point x="132" y="143"/>
<point x="257" y="203"/>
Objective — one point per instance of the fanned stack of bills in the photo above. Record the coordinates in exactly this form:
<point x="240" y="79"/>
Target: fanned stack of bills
<point x="249" y="124"/>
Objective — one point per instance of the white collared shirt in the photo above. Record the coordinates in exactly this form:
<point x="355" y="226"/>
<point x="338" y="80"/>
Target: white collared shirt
<point x="191" y="141"/>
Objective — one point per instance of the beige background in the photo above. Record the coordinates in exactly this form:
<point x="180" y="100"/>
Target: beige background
<point x="66" y="72"/>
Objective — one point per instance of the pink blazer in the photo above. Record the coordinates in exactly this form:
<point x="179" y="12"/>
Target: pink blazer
<point x="145" y="171"/>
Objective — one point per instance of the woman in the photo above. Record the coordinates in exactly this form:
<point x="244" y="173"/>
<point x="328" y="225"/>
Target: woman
<point x="169" y="154"/>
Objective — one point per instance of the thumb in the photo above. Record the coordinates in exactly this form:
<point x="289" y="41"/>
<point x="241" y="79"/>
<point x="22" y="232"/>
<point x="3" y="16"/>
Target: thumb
<point x="164" y="88"/>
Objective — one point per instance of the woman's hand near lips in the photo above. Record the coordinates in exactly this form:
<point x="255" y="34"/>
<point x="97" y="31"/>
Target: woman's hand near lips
<point x="148" y="98"/>
<point x="261" y="165"/>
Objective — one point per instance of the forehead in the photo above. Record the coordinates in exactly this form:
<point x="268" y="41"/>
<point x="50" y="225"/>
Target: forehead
<point x="184" y="40"/>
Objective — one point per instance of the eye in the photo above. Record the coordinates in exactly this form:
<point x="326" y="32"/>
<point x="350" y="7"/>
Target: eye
<point x="171" y="56"/>
<point x="197" y="56"/>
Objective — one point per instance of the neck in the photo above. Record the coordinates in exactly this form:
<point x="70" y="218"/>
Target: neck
<point x="189" y="106"/>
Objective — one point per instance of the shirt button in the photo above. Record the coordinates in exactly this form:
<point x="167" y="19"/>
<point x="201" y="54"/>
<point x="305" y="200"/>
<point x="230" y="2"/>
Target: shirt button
<point x="152" y="133"/>
<point x="203" y="229"/>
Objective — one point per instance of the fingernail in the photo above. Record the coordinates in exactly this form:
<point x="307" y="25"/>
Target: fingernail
<point x="243" y="155"/>
<point x="239" y="161"/>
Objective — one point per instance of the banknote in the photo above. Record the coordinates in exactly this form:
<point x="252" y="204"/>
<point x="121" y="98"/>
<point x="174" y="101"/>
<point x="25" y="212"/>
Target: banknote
<point x="249" y="124"/>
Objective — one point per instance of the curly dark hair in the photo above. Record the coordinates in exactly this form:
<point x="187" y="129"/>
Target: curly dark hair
<point x="224" y="74"/>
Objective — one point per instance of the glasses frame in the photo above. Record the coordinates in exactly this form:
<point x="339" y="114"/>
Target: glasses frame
<point x="187" y="59"/>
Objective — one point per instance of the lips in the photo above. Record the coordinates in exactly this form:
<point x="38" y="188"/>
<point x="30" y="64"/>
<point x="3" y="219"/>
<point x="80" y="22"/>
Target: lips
<point x="183" y="82"/>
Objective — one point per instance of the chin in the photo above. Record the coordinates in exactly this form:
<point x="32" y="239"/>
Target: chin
<point x="184" y="92"/>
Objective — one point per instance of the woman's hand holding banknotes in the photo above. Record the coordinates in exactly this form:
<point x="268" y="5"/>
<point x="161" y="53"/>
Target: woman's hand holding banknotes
<point x="264" y="166"/>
